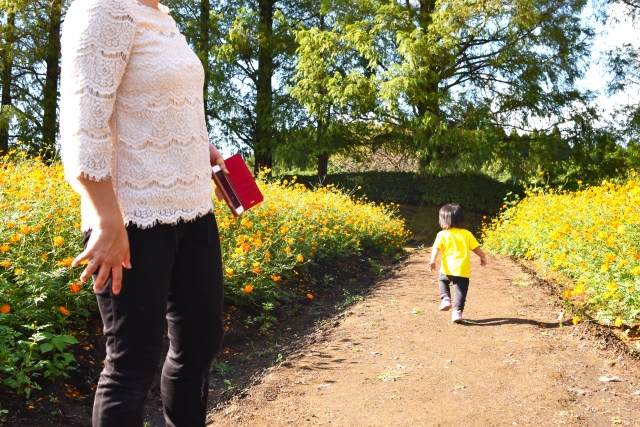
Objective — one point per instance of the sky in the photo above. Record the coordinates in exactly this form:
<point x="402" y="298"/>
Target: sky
<point x="609" y="35"/>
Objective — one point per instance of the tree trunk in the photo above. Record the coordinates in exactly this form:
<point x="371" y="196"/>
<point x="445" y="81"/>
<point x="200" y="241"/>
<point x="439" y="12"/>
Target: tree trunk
<point x="323" y="155"/>
<point x="323" y="164"/>
<point x="263" y="137"/>
<point x="7" y="80"/>
<point x="50" y="90"/>
<point x="204" y="49"/>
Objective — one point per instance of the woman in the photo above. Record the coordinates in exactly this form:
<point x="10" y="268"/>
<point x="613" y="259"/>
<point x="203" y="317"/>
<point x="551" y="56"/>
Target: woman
<point x="135" y="146"/>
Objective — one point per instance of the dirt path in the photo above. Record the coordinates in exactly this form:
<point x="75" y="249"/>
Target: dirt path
<point x="394" y="360"/>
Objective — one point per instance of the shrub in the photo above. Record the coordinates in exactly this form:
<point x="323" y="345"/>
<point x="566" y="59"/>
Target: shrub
<point x="475" y="192"/>
<point x="591" y="235"/>
<point x="42" y="303"/>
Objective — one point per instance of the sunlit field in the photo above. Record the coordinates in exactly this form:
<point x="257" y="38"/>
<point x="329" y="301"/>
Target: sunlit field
<point x="591" y="236"/>
<point x="43" y="304"/>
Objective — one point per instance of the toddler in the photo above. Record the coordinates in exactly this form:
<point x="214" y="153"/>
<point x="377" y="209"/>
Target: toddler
<point x="455" y="243"/>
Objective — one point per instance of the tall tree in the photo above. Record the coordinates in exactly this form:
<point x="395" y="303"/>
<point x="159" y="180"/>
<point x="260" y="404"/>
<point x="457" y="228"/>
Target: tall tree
<point x="624" y="62"/>
<point x="455" y="74"/>
<point x="7" y="52"/>
<point x="50" y="90"/>
<point x="326" y="69"/>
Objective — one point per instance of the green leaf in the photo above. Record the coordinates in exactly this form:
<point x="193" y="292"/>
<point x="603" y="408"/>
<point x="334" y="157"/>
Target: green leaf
<point x="46" y="347"/>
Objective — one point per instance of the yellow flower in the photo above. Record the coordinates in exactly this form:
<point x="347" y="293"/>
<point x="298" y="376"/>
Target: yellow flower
<point x="299" y="258"/>
<point x="14" y="238"/>
<point x="635" y="270"/>
<point x="618" y="322"/>
<point x="57" y="241"/>
<point x="4" y="248"/>
<point x="18" y="271"/>
<point x="5" y="264"/>
<point x="576" y="320"/>
<point x="229" y="272"/>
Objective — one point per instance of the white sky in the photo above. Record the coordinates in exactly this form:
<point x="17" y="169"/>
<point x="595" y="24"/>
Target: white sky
<point x="610" y="36"/>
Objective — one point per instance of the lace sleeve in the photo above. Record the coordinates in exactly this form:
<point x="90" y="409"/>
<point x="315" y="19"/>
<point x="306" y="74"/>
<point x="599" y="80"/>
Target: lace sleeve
<point x="96" y="44"/>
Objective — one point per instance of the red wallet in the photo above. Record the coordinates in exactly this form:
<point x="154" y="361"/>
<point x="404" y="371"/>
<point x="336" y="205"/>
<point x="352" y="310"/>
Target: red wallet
<point x="239" y="189"/>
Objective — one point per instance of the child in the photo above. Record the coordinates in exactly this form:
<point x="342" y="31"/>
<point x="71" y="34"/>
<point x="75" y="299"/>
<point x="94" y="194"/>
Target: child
<point x="456" y="244"/>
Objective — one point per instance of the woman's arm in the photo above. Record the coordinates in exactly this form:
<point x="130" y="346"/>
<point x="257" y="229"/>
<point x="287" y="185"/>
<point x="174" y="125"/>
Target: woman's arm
<point x="483" y="258"/>
<point x="96" y="45"/>
<point x="108" y="247"/>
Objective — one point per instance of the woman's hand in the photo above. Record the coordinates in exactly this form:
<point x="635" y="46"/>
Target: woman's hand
<point x="108" y="248"/>
<point x="107" y="252"/>
<point x="215" y="157"/>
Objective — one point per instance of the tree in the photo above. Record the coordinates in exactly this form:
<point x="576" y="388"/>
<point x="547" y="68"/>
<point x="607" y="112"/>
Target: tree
<point x="7" y="79"/>
<point x="624" y="63"/>
<point x="50" y="93"/>
<point x="326" y="66"/>
<point x="455" y="74"/>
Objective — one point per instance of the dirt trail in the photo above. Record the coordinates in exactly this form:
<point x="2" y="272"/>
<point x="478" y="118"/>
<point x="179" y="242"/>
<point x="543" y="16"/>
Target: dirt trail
<point x="394" y="360"/>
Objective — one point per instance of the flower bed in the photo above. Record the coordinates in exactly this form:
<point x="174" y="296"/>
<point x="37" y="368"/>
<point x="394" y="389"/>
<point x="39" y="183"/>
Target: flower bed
<point x="42" y="303"/>
<point x="591" y="236"/>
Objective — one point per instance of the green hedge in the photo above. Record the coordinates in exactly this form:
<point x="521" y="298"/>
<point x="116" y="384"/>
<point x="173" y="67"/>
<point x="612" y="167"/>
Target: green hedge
<point x="475" y="192"/>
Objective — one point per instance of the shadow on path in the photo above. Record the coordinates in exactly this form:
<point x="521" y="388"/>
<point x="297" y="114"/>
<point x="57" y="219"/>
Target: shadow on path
<point x="499" y="321"/>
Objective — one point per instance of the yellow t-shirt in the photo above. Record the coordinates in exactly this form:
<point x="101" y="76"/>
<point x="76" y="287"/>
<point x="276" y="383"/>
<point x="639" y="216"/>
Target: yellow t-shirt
<point x="456" y="245"/>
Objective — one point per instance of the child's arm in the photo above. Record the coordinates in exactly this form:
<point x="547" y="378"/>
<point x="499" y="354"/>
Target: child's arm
<point x="483" y="258"/>
<point x="434" y="254"/>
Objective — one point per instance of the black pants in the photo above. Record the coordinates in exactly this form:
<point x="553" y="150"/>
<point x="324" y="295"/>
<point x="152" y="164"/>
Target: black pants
<point x="460" y="289"/>
<point x="176" y="275"/>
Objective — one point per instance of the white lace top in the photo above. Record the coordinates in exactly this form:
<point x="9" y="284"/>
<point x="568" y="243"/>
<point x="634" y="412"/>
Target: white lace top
<point x="131" y="108"/>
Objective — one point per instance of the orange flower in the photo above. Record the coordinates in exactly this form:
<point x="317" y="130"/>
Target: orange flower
<point x="300" y="258"/>
<point x="44" y="255"/>
<point x="64" y="310"/>
<point x="57" y="241"/>
<point x="66" y="262"/>
<point x="14" y="238"/>
<point x="5" y="264"/>
<point x="309" y="296"/>
<point x="248" y="289"/>
<point x="4" y="248"/>
<point x="5" y="309"/>
<point x="276" y="278"/>
<point x="256" y="270"/>
<point x="75" y="288"/>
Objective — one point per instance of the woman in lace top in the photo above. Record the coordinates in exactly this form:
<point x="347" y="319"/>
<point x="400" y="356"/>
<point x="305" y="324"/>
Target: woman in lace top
<point x="135" y="146"/>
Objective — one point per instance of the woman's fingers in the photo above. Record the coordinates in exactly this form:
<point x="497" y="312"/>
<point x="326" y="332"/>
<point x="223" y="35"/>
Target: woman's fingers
<point x="106" y="253"/>
<point x="100" y="280"/>
<point x="116" y="279"/>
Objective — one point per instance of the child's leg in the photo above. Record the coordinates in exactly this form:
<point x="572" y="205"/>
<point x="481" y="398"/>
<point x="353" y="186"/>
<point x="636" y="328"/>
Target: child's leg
<point x="460" y="289"/>
<point x="443" y="283"/>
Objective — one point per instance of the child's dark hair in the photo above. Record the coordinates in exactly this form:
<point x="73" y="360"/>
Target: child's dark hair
<point x="451" y="216"/>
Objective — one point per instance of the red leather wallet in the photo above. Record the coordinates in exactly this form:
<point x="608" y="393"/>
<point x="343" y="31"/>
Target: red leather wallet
<point x="239" y="189"/>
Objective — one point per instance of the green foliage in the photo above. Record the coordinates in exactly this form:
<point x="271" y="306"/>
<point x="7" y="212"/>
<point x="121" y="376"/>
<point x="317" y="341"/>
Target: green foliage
<point x="42" y="303"/>
<point x="590" y="236"/>
<point x="475" y="192"/>
<point x="454" y="75"/>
